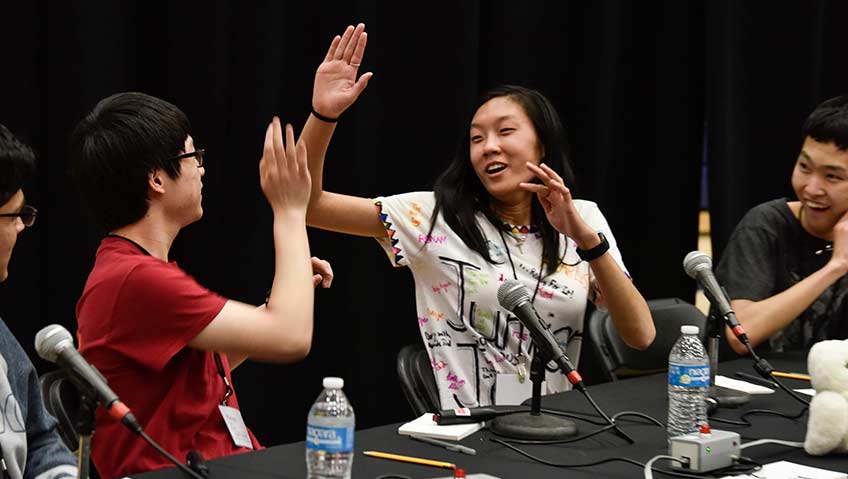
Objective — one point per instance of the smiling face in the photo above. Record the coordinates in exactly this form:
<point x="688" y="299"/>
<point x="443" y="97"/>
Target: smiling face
<point x="503" y="140"/>
<point x="820" y="181"/>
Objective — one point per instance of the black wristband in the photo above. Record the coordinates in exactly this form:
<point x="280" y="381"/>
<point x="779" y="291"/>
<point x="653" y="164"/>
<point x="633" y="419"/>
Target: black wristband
<point x="323" y="118"/>
<point x="596" y="252"/>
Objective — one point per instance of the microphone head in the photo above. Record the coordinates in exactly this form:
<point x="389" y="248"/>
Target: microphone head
<point x="512" y="293"/>
<point x="51" y="340"/>
<point x="695" y="262"/>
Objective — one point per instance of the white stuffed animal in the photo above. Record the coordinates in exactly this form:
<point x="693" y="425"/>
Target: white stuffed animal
<point x="827" y="427"/>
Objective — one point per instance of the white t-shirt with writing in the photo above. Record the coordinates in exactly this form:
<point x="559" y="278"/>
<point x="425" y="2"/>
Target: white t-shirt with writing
<point x="469" y="337"/>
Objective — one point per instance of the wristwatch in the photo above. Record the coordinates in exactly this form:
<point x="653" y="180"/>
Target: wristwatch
<point x="596" y="252"/>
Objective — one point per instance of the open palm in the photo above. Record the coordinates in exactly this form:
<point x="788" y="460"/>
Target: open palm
<point x="336" y="86"/>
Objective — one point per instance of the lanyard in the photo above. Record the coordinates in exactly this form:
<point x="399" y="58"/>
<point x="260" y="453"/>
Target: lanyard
<point x="228" y="390"/>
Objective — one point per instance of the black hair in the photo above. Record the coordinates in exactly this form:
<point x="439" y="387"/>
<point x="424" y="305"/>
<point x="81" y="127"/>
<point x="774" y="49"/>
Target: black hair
<point x="17" y="164"/>
<point x="828" y="123"/>
<point x="460" y="195"/>
<point x="115" y="148"/>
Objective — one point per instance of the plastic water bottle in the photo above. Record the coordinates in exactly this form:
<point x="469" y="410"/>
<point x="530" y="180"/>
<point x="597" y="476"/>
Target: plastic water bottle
<point x="688" y="381"/>
<point x="329" y="433"/>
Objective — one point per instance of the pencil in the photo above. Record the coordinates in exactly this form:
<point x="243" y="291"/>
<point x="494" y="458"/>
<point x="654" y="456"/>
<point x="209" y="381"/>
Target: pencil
<point x="802" y="377"/>
<point x="413" y="460"/>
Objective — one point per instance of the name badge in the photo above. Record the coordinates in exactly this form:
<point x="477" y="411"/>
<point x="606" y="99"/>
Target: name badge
<point x="235" y="424"/>
<point x="511" y="390"/>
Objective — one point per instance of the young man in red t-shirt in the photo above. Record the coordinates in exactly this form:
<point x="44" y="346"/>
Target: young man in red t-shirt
<point x="165" y="343"/>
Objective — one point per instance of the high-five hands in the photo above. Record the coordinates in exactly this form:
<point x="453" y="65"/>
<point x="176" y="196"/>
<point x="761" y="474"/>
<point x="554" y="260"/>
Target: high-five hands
<point x="283" y="172"/>
<point x="336" y="86"/>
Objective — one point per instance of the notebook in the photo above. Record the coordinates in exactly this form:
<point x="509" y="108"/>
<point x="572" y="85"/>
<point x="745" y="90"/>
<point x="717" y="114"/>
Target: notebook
<point x="790" y="470"/>
<point x="743" y="386"/>
<point x="426" y="426"/>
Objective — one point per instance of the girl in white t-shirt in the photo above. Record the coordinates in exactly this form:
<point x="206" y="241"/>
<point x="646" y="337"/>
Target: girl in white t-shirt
<point x="500" y="211"/>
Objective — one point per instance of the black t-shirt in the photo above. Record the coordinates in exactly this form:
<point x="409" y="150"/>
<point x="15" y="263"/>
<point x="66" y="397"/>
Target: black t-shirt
<point x="768" y="253"/>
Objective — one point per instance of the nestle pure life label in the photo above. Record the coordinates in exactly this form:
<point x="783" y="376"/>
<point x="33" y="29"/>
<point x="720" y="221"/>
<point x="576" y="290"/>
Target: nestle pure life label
<point x="689" y="376"/>
<point x="332" y="439"/>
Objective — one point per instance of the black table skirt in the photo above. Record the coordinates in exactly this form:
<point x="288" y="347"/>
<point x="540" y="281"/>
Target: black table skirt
<point x="645" y="394"/>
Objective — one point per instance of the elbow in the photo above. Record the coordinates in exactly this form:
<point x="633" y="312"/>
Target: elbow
<point x="737" y="346"/>
<point x="644" y="335"/>
<point x="643" y="340"/>
<point x="291" y="349"/>
<point x="300" y="349"/>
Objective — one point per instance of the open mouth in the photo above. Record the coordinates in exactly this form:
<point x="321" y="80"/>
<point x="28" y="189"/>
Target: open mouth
<point x="495" y="168"/>
<point x="816" y="206"/>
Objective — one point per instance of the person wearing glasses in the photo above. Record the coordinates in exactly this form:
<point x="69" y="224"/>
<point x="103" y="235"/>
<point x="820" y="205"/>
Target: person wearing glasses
<point x="166" y="344"/>
<point x="785" y="264"/>
<point x="485" y="223"/>
<point x="30" y="447"/>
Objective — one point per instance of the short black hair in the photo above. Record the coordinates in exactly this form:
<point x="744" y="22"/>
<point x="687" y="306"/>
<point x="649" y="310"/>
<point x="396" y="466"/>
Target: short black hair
<point x="828" y="123"/>
<point x="116" y="146"/>
<point x="17" y="164"/>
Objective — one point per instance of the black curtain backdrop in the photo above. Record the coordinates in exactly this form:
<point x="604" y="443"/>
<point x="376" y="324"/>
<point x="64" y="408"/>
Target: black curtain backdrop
<point x="633" y="81"/>
<point x="770" y="64"/>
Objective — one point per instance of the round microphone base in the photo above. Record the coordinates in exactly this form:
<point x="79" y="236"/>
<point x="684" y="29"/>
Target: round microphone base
<point x="728" y="397"/>
<point x="524" y="425"/>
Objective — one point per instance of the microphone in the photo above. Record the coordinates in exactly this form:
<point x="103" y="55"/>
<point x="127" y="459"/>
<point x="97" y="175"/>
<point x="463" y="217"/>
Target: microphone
<point x="699" y="266"/>
<point x="475" y="414"/>
<point x="197" y="463"/>
<point x="55" y="344"/>
<point x="514" y="297"/>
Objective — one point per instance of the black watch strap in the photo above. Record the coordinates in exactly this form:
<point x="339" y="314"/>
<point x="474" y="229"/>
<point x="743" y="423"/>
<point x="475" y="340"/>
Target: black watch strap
<point x="596" y="252"/>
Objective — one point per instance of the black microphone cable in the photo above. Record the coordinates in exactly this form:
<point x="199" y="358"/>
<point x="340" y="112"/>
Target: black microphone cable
<point x="764" y="369"/>
<point x="605" y="427"/>
<point x="168" y="456"/>
<point x="588" y="464"/>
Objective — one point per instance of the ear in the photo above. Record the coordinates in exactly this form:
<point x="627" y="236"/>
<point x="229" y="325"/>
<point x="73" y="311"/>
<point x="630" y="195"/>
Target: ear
<point x="155" y="180"/>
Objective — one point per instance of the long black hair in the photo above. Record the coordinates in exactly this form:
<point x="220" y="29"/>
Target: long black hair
<point x="460" y="194"/>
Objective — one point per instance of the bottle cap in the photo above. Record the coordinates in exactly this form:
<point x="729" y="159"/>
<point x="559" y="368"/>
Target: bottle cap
<point x="690" y="329"/>
<point x="333" y="383"/>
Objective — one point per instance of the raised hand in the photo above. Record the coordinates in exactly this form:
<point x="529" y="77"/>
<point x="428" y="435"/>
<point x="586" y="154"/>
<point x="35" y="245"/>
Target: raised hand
<point x="283" y="172"/>
<point x="336" y="86"/>
<point x="556" y="199"/>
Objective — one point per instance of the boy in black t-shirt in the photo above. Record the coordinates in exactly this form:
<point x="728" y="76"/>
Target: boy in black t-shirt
<point x="786" y="262"/>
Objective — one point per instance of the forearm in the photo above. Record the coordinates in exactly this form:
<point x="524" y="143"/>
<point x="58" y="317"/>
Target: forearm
<point x="628" y="308"/>
<point x="316" y="136"/>
<point x="292" y="296"/>
<point x="762" y="319"/>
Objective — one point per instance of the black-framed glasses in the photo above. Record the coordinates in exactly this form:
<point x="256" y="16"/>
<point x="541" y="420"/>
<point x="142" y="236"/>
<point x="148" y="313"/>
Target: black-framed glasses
<point x="198" y="155"/>
<point x="27" y="215"/>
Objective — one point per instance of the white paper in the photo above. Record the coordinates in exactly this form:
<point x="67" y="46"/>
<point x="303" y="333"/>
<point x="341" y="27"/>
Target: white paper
<point x="808" y="392"/>
<point x="790" y="470"/>
<point x="426" y="426"/>
<point x="743" y="386"/>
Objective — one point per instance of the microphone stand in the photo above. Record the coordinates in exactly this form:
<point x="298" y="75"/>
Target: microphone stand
<point x="724" y="397"/>
<point x="85" y="427"/>
<point x="533" y="424"/>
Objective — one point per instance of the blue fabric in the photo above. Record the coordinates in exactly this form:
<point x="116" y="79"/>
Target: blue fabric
<point x="32" y="449"/>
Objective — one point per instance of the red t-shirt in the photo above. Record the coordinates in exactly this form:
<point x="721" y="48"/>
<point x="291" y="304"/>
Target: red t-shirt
<point x="136" y="317"/>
